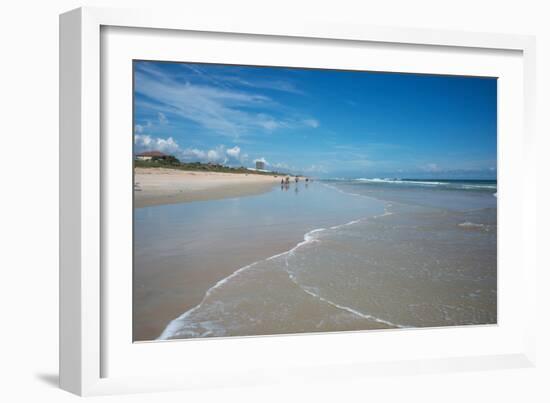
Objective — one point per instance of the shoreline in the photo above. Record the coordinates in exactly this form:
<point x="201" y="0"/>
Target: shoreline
<point x="152" y="320"/>
<point x="207" y="319"/>
<point x="162" y="186"/>
<point x="196" y="252"/>
<point x="371" y="322"/>
<point x="208" y="255"/>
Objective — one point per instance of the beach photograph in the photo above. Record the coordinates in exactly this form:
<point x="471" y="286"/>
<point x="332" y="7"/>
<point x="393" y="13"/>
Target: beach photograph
<point x="283" y="200"/>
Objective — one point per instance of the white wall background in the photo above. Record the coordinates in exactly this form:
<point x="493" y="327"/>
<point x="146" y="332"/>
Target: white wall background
<point x="29" y="187"/>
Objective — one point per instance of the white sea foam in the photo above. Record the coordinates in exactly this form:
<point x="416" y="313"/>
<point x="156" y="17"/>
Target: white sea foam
<point x="384" y="214"/>
<point x="346" y="193"/>
<point x="478" y="186"/>
<point x="353" y="311"/>
<point x="400" y="181"/>
<point x="468" y="224"/>
<point x="332" y="303"/>
<point x="346" y="224"/>
<point x="386" y="206"/>
<point x="309" y="238"/>
<point x="456" y="185"/>
<point x="176" y="325"/>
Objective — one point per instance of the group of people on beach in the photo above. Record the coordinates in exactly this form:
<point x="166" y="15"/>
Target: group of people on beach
<point x="285" y="182"/>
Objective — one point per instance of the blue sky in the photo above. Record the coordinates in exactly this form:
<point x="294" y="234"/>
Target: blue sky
<point x="322" y="123"/>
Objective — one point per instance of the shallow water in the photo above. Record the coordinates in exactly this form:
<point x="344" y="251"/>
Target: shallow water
<point x="373" y="256"/>
<point x="182" y="250"/>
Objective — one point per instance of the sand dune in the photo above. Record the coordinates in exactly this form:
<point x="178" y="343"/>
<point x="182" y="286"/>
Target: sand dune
<point x="156" y="186"/>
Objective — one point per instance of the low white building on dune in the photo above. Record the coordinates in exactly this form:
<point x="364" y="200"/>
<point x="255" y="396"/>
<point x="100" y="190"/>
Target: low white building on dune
<point x="151" y="156"/>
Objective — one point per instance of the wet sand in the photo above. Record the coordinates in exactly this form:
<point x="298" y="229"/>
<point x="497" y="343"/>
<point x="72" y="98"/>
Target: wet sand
<point x="157" y="186"/>
<point x="362" y="275"/>
<point x="161" y="292"/>
<point x="182" y="250"/>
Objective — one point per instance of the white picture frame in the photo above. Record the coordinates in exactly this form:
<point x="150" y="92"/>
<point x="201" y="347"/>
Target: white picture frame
<point x="85" y="345"/>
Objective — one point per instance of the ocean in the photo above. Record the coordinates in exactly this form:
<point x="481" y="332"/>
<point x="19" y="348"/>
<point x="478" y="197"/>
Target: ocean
<point x="332" y="255"/>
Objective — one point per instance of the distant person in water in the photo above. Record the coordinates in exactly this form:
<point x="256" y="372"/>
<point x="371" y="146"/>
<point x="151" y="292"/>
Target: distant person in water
<point x="296" y="179"/>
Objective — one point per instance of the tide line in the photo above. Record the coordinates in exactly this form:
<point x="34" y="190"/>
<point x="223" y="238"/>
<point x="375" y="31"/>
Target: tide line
<point x="174" y="325"/>
<point x="172" y="328"/>
<point x="334" y="304"/>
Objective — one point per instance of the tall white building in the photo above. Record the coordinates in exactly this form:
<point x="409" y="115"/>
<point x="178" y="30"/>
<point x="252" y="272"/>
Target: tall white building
<point x="260" y="165"/>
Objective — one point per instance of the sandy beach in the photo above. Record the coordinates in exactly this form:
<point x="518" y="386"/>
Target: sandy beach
<point x="157" y="186"/>
<point x="169" y="293"/>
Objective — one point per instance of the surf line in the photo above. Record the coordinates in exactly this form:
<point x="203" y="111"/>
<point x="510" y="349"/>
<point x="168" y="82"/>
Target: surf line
<point x="329" y="302"/>
<point x="387" y="203"/>
<point x="173" y="326"/>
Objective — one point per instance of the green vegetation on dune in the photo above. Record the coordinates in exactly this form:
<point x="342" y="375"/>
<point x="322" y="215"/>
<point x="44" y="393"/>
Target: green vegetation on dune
<point x="199" y="166"/>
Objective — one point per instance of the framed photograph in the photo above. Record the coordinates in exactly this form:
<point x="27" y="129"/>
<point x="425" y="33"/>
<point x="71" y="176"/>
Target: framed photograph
<point x="242" y="202"/>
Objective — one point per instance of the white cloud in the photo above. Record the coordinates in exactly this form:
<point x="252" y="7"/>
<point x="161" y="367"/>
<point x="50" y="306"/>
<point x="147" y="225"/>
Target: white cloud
<point x="219" y="154"/>
<point x="432" y="167"/>
<point x="208" y="102"/>
<point x="168" y="144"/>
<point x="270" y="124"/>
<point x="316" y="169"/>
<point x="145" y="142"/>
<point x="280" y="165"/>
<point x="162" y="118"/>
<point x="261" y="160"/>
<point x="194" y="153"/>
<point x="233" y="79"/>
<point x="214" y="155"/>
<point x="219" y="109"/>
<point x="140" y="128"/>
<point x="142" y="140"/>
<point x="234" y="152"/>
<point x="314" y="123"/>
